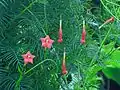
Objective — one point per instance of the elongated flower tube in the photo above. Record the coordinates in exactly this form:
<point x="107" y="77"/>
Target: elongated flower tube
<point x="107" y="21"/>
<point x="64" y="70"/>
<point x="83" y="34"/>
<point x="46" y="42"/>
<point x="28" y="58"/>
<point x="60" y="34"/>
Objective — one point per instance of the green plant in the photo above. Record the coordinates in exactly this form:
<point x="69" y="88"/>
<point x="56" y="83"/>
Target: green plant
<point x="24" y="22"/>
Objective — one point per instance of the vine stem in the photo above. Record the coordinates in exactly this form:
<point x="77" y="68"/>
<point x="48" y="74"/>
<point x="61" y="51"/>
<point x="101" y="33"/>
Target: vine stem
<point x="25" y="9"/>
<point x="45" y="14"/>
<point x="113" y="3"/>
<point x="37" y="21"/>
<point x="30" y="5"/>
<point x="40" y="64"/>
<point x="17" y="86"/>
<point x="100" y="47"/>
<point x="92" y="61"/>
<point x="108" y="9"/>
<point x="66" y="82"/>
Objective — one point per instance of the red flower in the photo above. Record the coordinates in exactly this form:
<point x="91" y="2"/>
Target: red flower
<point x="64" y="70"/>
<point x="83" y="34"/>
<point x="60" y="33"/>
<point x="28" y="57"/>
<point x="46" y="42"/>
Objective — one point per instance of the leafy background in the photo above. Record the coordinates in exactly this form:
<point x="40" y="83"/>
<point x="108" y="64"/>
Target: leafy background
<point x="24" y="22"/>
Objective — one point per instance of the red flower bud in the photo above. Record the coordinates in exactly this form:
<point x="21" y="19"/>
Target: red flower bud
<point x="107" y="21"/>
<point x="83" y="34"/>
<point x="110" y="20"/>
<point x="64" y="70"/>
<point x="60" y="33"/>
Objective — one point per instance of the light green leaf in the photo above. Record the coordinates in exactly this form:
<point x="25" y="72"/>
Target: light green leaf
<point x="114" y="58"/>
<point x="112" y="73"/>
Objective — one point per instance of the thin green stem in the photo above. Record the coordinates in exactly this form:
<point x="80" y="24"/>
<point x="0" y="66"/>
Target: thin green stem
<point x="37" y="20"/>
<point x="79" y="74"/>
<point x="17" y="86"/>
<point x="45" y="53"/>
<point x="102" y="25"/>
<point x="108" y="9"/>
<point x="93" y="60"/>
<point x="40" y="64"/>
<point x="113" y="3"/>
<point x="25" y="9"/>
<point x="100" y="47"/>
<point x="66" y="83"/>
<point x="30" y="5"/>
<point x="45" y="18"/>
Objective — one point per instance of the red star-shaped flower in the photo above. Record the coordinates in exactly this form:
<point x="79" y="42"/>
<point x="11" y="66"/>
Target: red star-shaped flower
<point x="46" y="42"/>
<point x="28" y="57"/>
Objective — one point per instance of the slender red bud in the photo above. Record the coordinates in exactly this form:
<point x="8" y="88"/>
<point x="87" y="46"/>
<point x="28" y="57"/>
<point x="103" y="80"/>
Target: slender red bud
<point x="64" y="70"/>
<point x="60" y="33"/>
<point x="83" y="34"/>
<point x="107" y="21"/>
<point x="110" y="20"/>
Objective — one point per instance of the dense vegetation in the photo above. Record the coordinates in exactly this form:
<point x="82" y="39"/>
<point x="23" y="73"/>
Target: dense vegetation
<point x="24" y="22"/>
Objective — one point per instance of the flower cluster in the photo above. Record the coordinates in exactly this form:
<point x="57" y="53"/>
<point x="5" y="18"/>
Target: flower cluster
<point x="47" y="43"/>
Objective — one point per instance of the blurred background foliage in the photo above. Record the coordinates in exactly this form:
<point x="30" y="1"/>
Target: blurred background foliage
<point x="24" y="22"/>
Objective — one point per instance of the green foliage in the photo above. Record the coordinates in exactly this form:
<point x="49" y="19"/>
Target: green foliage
<point x="24" y="22"/>
<point x="112" y="73"/>
<point x="112" y="69"/>
<point x="114" y="58"/>
<point x="112" y="7"/>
